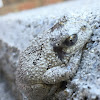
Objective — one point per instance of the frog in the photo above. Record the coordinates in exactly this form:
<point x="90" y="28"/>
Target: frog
<point x="52" y="57"/>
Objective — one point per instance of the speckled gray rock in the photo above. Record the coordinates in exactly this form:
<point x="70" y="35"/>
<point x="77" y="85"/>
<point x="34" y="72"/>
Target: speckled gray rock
<point x="5" y="92"/>
<point x="17" y="31"/>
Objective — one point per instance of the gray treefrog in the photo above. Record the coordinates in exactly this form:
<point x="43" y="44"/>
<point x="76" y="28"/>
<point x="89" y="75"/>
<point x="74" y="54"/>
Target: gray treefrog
<point x="52" y="58"/>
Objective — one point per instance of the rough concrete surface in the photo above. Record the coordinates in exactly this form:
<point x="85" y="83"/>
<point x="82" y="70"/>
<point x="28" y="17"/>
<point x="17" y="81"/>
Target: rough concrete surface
<point x="5" y="92"/>
<point x="17" y="30"/>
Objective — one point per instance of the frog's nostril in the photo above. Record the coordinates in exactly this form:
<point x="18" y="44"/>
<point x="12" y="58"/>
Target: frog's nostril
<point x="71" y="40"/>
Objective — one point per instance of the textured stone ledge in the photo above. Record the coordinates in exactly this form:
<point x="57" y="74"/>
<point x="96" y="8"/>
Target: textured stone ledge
<point x="16" y="31"/>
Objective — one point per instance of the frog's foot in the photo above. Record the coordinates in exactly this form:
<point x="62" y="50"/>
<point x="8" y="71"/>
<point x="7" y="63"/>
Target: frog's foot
<point x="59" y="74"/>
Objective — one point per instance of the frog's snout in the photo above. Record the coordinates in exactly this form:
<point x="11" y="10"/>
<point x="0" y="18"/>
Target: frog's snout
<point x="71" y="40"/>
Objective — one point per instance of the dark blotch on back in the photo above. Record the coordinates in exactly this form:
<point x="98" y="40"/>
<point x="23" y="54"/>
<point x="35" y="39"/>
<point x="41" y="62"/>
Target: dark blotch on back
<point x="59" y="24"/>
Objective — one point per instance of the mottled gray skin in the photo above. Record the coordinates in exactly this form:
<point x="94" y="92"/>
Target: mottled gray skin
<point x="48" y="60"/>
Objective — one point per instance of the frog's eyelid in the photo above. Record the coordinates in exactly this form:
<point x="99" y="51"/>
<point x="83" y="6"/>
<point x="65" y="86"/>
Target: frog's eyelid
<point x="71" y="40"/>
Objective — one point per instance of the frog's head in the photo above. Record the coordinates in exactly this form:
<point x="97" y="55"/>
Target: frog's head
<point x="72" y="36"/>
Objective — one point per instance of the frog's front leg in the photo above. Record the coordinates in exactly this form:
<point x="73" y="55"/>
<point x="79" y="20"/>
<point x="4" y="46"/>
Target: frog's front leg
<point x="58" y="74"/>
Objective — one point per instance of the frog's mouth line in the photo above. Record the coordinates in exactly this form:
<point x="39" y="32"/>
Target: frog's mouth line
<point x="59" y="52"/>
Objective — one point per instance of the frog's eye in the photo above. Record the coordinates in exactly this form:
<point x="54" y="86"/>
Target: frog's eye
<point x="71" y="40"/>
